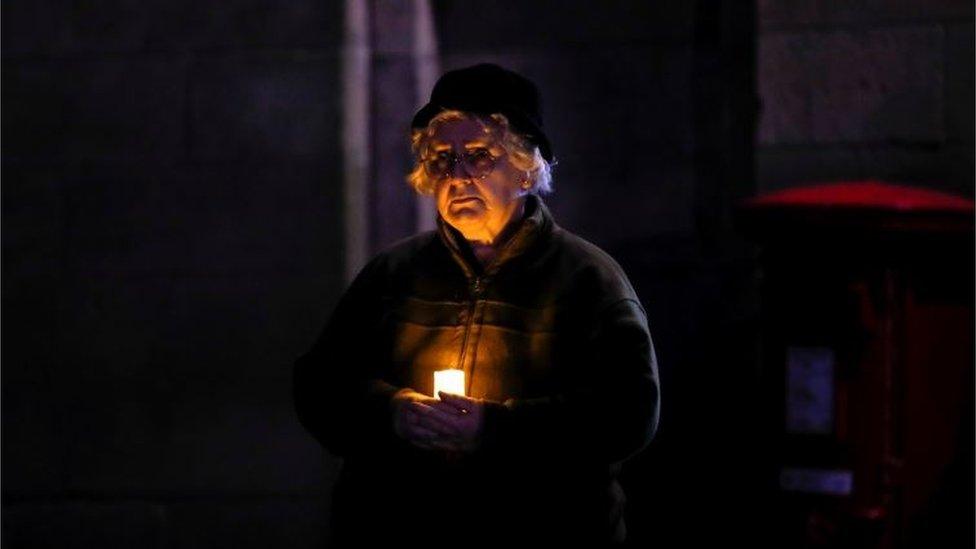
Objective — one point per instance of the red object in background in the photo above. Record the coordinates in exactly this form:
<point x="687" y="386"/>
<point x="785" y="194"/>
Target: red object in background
<point x="864" y="195"/>
<point x="869" y="284"/>
<point x="863" y="205"/>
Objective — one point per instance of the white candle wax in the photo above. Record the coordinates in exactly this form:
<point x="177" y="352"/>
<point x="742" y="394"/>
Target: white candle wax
<point x="449" y="381"/>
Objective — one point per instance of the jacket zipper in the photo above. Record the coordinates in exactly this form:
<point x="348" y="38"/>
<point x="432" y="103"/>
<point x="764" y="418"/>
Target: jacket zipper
<point x="476" y="289"/>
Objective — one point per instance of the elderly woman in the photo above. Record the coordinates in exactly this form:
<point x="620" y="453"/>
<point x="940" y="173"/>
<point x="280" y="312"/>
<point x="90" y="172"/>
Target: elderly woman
<point x="560" y="371"/>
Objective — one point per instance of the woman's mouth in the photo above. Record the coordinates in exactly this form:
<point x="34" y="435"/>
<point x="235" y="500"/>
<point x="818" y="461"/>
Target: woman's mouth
<point x="464" y="200"/>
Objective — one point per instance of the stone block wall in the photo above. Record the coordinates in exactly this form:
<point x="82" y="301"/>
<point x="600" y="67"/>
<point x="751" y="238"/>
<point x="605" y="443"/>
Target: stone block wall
<point x="866" y="89"/>
<point x="171" y="242"/>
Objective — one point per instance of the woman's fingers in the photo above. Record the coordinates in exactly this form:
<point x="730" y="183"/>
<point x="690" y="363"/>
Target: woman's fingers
<point x="439" y="429"/>
<point x="428" y="408"/>
<point x="433" y="424"/>
<point x="422" y="433"/>
<point x="429" y="439"/>
<point x="461" y="404"/>
<point x="433" y="418"/>
<point x="446" y="408"/>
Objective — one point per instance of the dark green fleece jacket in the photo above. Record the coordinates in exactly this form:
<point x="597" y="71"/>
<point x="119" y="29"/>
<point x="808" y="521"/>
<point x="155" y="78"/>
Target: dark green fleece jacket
<point x="550" y="333"/>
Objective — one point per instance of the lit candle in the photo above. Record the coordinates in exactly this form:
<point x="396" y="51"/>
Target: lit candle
<point x="449" y="381"/>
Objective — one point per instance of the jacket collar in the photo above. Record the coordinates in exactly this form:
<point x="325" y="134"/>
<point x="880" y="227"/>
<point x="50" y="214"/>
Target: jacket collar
<point x="536" y="225"/>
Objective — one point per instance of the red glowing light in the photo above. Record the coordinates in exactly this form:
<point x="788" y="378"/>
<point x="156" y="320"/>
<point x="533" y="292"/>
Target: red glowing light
<point x="863" y="194"/>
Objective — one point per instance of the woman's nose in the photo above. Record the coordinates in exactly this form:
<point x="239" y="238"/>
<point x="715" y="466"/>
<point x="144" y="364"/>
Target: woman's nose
<point x="459" y="180"/>
<point x="458" y="170"/>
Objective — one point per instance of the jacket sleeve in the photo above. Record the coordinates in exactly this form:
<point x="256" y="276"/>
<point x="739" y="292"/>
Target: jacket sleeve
<point x="612" y="415"/>
<point x="339" y="394"/>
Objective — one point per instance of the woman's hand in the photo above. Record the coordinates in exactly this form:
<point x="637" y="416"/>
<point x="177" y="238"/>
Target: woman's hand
<point x="454" y="423"/>
<point x="466" y="418"/>
<point x="424" y="421"/>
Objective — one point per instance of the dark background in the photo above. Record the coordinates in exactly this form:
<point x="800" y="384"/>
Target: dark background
<point x="173" y="227"/>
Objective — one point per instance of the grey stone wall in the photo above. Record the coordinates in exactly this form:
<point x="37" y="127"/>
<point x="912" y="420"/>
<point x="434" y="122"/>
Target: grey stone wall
<point x="865" y="89"/>
<point x="171" y="242"/>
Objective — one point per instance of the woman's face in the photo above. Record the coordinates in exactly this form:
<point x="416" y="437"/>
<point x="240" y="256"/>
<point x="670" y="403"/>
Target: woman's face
<point x="477" y="207"/>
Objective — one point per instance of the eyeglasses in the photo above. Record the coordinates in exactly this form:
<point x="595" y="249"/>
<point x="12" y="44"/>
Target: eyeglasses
<point x="477" y="163"/>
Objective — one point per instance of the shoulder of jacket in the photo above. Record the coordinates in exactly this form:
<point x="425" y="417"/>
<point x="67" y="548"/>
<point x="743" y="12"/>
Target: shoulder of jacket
<point x="403" y="250"/>
<point x="408" y="246"/>
<point x="595" y="270"/>
<point x="395" y="256"/>
<point x="587" y="255"/>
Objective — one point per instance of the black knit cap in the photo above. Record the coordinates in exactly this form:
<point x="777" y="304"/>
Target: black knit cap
<point x="487" y="88"/>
